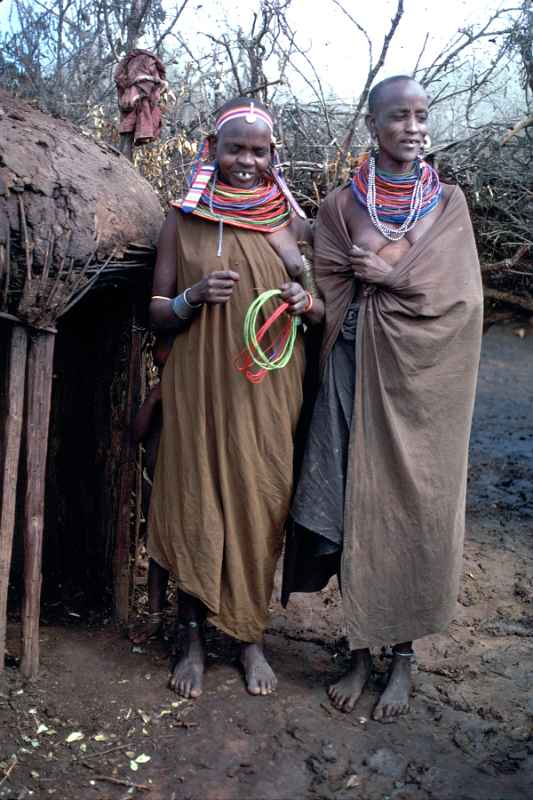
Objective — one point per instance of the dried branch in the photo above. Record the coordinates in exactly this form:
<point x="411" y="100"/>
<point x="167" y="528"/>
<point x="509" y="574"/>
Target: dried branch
<point x="522" y="125"/>
<point x="524" y="303"/>
<point x="420" y="55"/>
<point x="506" y="263"/>
<point x="372" y="73"/>
<point x="168" y="30"/>
<point x="465" y="38"/>
<point x="359" y="28"/>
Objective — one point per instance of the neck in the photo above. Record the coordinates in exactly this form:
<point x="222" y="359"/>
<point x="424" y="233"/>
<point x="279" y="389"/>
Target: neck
<point x="387" y="164"/>
<point x="258" y="182"/>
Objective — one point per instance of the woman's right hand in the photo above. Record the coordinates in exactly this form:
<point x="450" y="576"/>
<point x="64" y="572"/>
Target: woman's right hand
<point x="217" y="287"/>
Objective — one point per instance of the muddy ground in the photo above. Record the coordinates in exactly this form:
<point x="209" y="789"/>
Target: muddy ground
<point x="468" y="737"/>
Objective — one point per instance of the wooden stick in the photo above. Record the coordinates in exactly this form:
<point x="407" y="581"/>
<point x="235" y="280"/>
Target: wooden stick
<point x="9" y="770"/>
<point x="525" y="123"/>
<point x="5" y="267"/>
<point x="15" y="375"/>
<point x="126" y="145"/>
<point x="105" y="752"/>
<point x="39" y="389"/>
<point x="119" y="781"/>
<point x="126" y="483"/>
<point x="507" y="262"/>
<point x="508" y="297"/>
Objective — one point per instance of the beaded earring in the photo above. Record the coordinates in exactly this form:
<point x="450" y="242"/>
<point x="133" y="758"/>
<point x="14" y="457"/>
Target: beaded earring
<point x="424" y="147"/>
<point x="373" y="146"/>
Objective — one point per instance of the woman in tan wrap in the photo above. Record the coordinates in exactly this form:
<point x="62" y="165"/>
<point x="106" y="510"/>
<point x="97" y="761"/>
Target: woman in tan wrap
<point x="223" y="478"/>
<point x="384" y="471"/>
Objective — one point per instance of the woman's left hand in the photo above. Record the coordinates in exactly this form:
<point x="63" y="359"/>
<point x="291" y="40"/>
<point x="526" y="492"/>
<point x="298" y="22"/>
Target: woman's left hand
<point x="367" y="266"/>
<point x="296" y="296"/>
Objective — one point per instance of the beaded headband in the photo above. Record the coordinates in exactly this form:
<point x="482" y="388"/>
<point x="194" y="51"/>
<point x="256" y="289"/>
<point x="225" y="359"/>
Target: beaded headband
<point x="250" y="114"/>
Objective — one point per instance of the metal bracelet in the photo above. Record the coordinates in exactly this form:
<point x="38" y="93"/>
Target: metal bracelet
<point x="191" y="305"/>
<point x="181" y="308"/>
<point x="307" y="278"/>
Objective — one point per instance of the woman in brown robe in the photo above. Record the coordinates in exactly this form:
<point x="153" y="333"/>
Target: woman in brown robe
<point x="224" y="471"/>
<point x="384" y="473"/>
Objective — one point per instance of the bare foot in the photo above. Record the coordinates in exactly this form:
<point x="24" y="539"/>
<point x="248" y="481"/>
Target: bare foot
<point x="345" y="693"/>
<point x="395" y="699"/>
<point x="187" y="678"/>
<point x="260" y="678"/>
<point x="146" y="628"/>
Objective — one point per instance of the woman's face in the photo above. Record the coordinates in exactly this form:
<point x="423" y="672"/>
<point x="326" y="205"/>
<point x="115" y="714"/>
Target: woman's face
<point x="400" y="123"/>
<point x="243" y="152"/>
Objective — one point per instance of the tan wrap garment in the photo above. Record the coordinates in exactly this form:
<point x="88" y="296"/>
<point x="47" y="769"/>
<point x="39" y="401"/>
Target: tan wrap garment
<point x="417" y="354"/>
<point x="223" y="478"/>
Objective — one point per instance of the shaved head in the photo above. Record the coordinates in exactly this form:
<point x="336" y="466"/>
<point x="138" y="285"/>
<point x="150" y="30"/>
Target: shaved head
<point x="243" y="100"/>
<point x="384" y="90"/>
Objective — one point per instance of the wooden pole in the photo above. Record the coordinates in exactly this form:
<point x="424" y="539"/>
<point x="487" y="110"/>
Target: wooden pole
<point x="122" y="574"/>
<point x="126" y="145"/>
<point x="38" y="402"/>
<point x="15" y="377"/>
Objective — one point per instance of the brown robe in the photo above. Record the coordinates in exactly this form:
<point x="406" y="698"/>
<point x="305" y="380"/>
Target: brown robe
<point x="223" y="478"/>
<point x="417" y="353"/>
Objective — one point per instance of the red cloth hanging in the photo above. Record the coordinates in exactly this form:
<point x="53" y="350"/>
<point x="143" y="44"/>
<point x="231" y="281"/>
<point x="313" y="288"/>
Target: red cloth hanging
<point x="140" y="77"/>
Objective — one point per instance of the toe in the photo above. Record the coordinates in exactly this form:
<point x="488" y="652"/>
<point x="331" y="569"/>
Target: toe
<point x="252" y="684"/>
<point x="349" y="705"/>
<point x="346" y="705"/>
<point x="196" y="687"/>
<point x="390" y="713"/>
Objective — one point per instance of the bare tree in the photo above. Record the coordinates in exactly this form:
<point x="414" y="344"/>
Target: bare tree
<point x="63" y="53"/>
<point x="374" y="67"/>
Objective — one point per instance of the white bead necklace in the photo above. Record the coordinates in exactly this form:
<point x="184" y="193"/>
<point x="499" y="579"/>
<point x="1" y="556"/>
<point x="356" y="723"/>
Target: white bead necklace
<point x="415" y="206"/>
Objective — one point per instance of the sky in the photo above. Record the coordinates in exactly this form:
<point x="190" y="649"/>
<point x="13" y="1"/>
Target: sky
<point x="337" y="50"/>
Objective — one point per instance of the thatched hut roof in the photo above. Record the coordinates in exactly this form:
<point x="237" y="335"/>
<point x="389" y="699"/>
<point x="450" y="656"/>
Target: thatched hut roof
<point x="74" y="189"/>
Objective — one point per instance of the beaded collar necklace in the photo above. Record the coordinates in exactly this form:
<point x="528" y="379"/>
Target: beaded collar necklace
<point x="398" y="199"/>
<point x="263" y="208"/>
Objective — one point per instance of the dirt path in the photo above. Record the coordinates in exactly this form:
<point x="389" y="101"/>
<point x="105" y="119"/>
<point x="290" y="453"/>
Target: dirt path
<point x="467" y="735"/>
